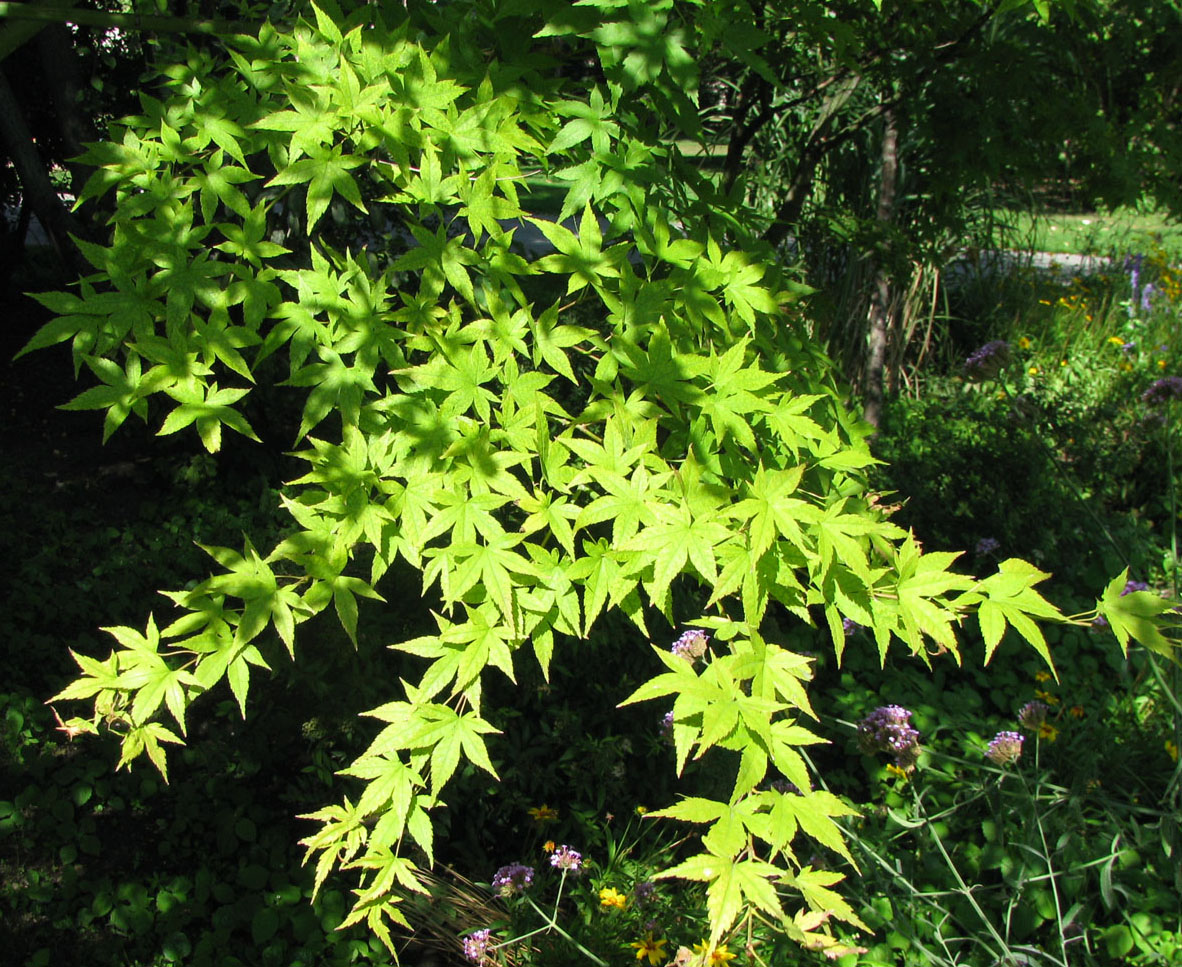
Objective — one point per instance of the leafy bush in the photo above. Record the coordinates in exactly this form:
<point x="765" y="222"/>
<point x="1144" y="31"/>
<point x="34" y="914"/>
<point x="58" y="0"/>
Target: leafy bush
<point x="631" y="423"/>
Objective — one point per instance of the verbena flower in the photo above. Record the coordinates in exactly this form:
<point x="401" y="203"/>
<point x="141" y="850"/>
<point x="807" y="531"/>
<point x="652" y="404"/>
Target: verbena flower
<point x="987" y="546"/>
<point x="888" y="729"/>
<point x="476" y="946"/>
<point x="645" y="892"/>
<point x="512" y="879"/>
<point x="1005" y="748"/>
<point x="1033" y="714"/>
<point x="1131" y="586"/>
<point x="988" y="361"/>
<point x="691" y="645"/>
<point x="850" y="627"/>
<point x="666" y="727"/>
<point x="565" y="858"/>
<point x="1163" y="390"/>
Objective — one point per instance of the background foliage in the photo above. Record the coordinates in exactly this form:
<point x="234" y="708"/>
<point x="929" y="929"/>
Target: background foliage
<point x="612" y="416"/>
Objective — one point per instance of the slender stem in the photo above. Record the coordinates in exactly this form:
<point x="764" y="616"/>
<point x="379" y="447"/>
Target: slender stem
<point x="1175" y="677"/>
<point x="964" y="887"/>
<point x="1046" y="852"/>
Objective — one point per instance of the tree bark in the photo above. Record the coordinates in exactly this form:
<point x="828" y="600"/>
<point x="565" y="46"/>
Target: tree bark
<point x="880" y="293"/>
<point x="38" y="193"/>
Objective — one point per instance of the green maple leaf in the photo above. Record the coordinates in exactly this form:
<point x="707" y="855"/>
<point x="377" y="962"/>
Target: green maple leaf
<point x="551" y="339"/>
<point x="606" y="577"/>
<point x="483" y="208"/>
<point x="336" y="387"/>
<point x="452" y="734"/>
<point x="120" y="394"/>
<point x="210" y="408"/>
<point x="628" y="503"/>
<point x="579" y="257"/>
<point x="217" y="184"/>
<point x="1136" y="615"/>
<point x="674" y="540"/>
<point x="325" y="172"/>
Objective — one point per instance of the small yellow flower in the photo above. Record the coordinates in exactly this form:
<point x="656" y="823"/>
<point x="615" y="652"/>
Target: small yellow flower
<point x="1062" y="362"/>
<point x="1116" y="340"/>
<point x="897" y="771"/>
<point x="1046" y="697"/>
<point x="720" y="956"/>
<point x="1024" y="343"/>
<point x="543" y="814"/>
<point x="1171" y="750"/>
<point x="641" y="810"/>
<point x="654" y="950"/>
<point x="610" y="898"/>
<point x="1033" y="370"/>
<point x="1077" y="711"/>
<point x="549" y="846"/>
<point x="1161" y="364"/>
<point x="1126" y="367"/>
<point x="1048" y="732"/>
<point x="1043" y="676"/>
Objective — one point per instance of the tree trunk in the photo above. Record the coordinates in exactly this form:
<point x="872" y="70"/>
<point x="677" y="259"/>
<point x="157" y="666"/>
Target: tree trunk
<point x="38" y="193"/>
<point x="63" y="79"/>
<point x="880" y="293"/>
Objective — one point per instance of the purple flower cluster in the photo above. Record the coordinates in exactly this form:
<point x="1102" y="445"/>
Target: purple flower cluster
<point x="988" y="361"/>
<point x="476" y="945"/>
<point x="691" y="645"/>
<point x="850" y="627"/>
<point x="565" y="858"/>
<point x="1131" y="586"/>
<point x="888" y="729"/>
<point x="1163" y="390"/>
<point x="1033" y="714"/>
<point x="1133" y="265"/>
<point x="987" y="546"/>
<point x="645" y="892"/>
<point x="1005" y="748"/>
<point x="666" y="728"/>
<point x="512" y="879"/>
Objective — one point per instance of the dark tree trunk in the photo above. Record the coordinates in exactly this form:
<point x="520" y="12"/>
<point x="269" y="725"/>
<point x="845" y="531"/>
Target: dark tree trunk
<point x="38" y="194"/>
<point x="880" y="293"/>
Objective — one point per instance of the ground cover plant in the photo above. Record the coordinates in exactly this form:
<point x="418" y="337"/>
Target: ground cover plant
<point x="628" y="439"/>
